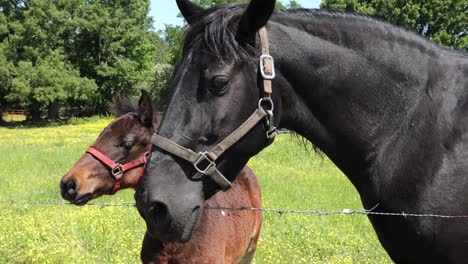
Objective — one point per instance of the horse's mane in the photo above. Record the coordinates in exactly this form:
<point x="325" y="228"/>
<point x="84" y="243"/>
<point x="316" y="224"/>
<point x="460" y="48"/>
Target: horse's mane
<point x="217" y="28"/>
<point x="369" y="21"/>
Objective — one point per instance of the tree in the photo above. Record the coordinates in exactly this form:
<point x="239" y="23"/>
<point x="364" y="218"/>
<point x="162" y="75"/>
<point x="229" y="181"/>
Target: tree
<point x="114" y="45"/>
<point x="443" y="21"/>
<point x="160" y="84"/>
<point x="35" y="71"/>
<point x="293" y="5"/>
<point x="81" y="53"/>
<point x="50" y="81"/>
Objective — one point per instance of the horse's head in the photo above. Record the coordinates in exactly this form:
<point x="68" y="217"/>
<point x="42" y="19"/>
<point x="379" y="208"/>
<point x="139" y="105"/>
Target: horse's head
<point x="117" y="158"/>
<point x="216" y="87"/>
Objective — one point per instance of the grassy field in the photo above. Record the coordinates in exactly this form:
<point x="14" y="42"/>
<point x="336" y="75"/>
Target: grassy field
<point x="32" y="161"/>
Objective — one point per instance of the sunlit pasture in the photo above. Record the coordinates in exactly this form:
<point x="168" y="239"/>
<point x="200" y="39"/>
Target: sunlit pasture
<point x="292" y="176"/>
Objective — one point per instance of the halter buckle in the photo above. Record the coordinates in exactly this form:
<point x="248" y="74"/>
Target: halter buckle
<point x="202" y="160"/>
<point x="265" y="75"/>
<point x="117" y="170"/>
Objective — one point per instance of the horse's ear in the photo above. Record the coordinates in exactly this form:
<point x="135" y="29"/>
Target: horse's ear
<point x="189" y="10"/>
<point x="145" y="109"/>
<point x="255" y="17"/>
<point x="121" y="107"/>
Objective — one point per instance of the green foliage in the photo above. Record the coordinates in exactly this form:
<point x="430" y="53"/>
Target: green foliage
<point x="290" y="177"/>
<point x="293" y="5"/>
<point x="174" y="36"/>
<point x="113" y="45"/>
<point x="50" y="80"/>
<point x="443" y="21"/>
<point x="160" y="84"/>
<point x="157" y="84"/>
<point x="78" y="53"/>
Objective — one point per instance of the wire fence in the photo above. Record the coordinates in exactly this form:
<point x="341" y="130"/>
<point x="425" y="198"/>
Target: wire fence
<point x="264" y="210"/>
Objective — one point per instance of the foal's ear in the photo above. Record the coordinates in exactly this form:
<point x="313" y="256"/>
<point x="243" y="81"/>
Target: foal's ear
<point x="145" y="109"/>
<point x="189" y="10"/>
<point x="255" y="17"/>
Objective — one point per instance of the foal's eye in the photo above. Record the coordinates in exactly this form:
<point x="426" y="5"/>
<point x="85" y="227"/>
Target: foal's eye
<point x="219" y="85"/>
<point x="127" y="145"/>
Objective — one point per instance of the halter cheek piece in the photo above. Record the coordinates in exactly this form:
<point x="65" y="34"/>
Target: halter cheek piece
<point x="204" y="162"/>
<point x="117" y="170"/>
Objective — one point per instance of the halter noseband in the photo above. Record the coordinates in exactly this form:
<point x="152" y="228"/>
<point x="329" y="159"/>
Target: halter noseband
<point x="204" y="162"/>
<point x="117" y="170"/>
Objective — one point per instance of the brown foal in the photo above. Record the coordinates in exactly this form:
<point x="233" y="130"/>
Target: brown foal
<point x="117" y="160"/>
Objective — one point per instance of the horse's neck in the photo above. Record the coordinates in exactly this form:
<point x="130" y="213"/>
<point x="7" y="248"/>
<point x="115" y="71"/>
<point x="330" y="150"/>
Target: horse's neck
<point x="353" y="92"/>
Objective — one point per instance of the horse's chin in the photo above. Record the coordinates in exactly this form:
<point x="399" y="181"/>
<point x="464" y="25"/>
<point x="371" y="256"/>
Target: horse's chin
<point x="191" y="224"/>
<point x="82" y="199"/>
<point x="170" y="235"/>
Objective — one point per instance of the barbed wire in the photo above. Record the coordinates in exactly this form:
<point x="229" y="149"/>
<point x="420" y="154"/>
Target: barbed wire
<point x="65" y="203"/>
<point x="345" y="211"/>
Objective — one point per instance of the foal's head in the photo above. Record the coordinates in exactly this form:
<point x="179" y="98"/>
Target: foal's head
<point x="125" y="139"/>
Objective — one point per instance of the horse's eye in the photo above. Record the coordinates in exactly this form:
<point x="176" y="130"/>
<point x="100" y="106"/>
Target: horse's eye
<point x="219" y="85"/>
<point x="127" y="145"/>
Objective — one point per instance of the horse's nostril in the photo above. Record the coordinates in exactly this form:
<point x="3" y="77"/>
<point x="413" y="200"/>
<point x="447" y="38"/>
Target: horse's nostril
<point x="68" y="189"/>
<point x="71" y="185"/>
<point x="159" y="216"/>
<point x="159" y="211"/>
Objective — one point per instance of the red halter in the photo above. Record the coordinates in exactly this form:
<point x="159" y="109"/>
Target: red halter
<point x="117" y="170"/>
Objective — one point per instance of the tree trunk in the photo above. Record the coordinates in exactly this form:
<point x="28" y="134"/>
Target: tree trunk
<point x="2" y="121"/>
<point x="34" y="114"/>
<point x="53" y="110"/>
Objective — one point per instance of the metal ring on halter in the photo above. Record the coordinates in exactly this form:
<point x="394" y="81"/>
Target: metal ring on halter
<point x="266" y="100"/>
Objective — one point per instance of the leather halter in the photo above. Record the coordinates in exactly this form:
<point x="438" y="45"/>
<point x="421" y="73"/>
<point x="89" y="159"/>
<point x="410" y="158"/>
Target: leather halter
<point x="118" y="170"/>
<point x="204" y="162"/>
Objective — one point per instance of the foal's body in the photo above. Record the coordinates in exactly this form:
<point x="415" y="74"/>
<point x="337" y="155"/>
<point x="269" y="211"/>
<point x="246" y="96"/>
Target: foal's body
<point x="222" y="236"/>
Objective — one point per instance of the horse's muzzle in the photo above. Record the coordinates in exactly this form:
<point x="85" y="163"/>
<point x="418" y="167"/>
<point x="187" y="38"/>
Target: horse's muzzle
<point x="167" y="225"/>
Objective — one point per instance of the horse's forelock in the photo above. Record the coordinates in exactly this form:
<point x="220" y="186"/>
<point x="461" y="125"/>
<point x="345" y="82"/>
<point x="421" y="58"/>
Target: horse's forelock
<point x="216" y="32"/>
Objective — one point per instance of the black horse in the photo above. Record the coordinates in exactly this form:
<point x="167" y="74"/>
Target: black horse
<point x="387" y="106"/>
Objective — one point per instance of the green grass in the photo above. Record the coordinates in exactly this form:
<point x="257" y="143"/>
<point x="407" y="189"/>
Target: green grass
<point x="34" y="159"/>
